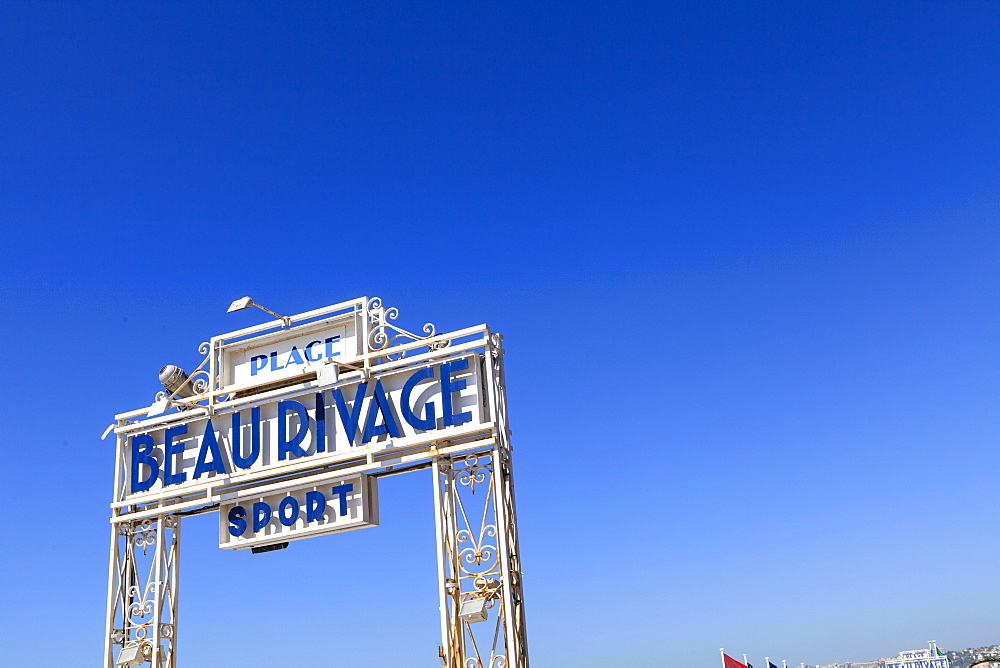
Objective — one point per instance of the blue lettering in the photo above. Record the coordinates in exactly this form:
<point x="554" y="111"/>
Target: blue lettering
<point x="428" y="422"/>
<point x="341" y="491"/>
<point x="169" y="450"/>
<point x="380" y="404"/>
<point x="294" y="357"/>
<point x="308" y="350"/>
<point x="315" y="505"/>
<point x="239" y="525"/>
<point x="329" y="346"/>
<point x="274" y="362"/>
<point x="284" y="445"/>
<point x="238" y="458"/>
<point x="290" y="519"/>
<point x="254" y="367"/>
<point x="142" y="456"/>
<point x="350" y="418"/>
<point x="320" y="423"/>
<point x="209" y="443"/>
<point x="261" y="515"/>
<point x="447" y="387"/>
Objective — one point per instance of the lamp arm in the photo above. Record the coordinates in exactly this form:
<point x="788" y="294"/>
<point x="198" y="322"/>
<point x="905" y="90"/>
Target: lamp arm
<point x="287" y="321"/>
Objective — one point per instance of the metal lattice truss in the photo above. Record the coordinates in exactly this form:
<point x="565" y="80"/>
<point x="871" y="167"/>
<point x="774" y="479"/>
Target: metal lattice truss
<point x="479" y="570"/>
<point x="142" y="591"/>
<point x="482" y="615"/>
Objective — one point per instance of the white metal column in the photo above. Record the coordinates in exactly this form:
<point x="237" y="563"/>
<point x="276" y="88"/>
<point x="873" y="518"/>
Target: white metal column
<point x="482" y="622"/>
<point x="142" y="590"/>
<point x="450" y="650"/>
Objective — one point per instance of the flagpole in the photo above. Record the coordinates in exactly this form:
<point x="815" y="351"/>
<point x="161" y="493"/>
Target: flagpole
<point x="784" y="664"/>
<point x="767" y="662"/>
<point x="722" y="656"/>
<point x="745" y="662"/>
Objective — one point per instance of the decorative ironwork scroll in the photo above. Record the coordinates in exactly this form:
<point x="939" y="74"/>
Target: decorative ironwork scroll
<point x="482" y="617"/>
<point x="383" y="334"/>
<point x="142" y="610"/>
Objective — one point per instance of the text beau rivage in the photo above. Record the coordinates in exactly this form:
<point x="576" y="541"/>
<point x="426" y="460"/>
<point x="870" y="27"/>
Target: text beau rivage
<point x="400" y="406"/>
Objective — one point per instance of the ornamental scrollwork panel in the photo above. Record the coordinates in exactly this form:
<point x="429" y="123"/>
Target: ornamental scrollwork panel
<point x="475" y="560"/>
<point x="145" y="590"/>
<point x="384" y="335"/>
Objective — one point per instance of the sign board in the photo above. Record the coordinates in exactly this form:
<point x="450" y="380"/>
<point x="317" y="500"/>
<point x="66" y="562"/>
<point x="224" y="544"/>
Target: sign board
<point x="296" y="351"/>
<point x="299" y="512"/>
<point x="258" y="439"/>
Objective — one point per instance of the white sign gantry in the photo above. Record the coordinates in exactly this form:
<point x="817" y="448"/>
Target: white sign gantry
<point x="285" y="429"/>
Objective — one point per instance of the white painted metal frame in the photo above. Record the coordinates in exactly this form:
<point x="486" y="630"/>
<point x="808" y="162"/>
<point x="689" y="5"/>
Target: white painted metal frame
<point x="142" y="588"/>
<point x="478" y="555"/>
<point x="475" y="515"/>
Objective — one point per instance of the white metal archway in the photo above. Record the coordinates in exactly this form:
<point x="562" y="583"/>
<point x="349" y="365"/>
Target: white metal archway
<point x="479" y="573"/>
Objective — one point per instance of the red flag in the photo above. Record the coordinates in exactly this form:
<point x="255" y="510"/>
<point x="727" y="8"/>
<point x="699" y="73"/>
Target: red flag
<point x="730" y="662"/>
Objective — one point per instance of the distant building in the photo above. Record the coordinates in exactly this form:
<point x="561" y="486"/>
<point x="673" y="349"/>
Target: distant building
<point x="931" y="657"/>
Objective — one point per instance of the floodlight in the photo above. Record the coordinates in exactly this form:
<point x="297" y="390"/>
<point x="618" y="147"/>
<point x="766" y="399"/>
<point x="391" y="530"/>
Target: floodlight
<point x="328" y="372"/>
<point x="246" y="302"/>
<point x="473" y="610"/>
<point x="176" y="381"/>
<point x="240" y="304"/>
<point x="131" y="656"/>
<point x="268" y="548"/>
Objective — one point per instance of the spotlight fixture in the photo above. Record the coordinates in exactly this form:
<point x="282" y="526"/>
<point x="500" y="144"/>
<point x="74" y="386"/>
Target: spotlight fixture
<point x="240" y="304"/>
<point x="176" y="381"/>
<point x="473" y="610"/>
<point x="131" y="656"/>
<point x="246" y="302"/>
<point x="268" y="548"/>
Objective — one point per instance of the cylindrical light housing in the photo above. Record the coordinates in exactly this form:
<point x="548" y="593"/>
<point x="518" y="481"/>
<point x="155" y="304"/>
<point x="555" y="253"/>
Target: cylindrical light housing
<point x="175" y="380"/>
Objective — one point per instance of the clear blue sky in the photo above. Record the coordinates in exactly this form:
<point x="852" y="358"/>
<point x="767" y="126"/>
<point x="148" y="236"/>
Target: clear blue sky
<point x="745" y="257"/>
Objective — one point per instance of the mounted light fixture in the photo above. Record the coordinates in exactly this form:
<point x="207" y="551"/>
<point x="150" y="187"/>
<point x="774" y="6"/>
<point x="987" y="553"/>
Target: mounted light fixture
<point x="176" y="381"/>
<point x="246" y="302"/>
<point x="473" y="610"/>
<point x="131" y="656"/>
